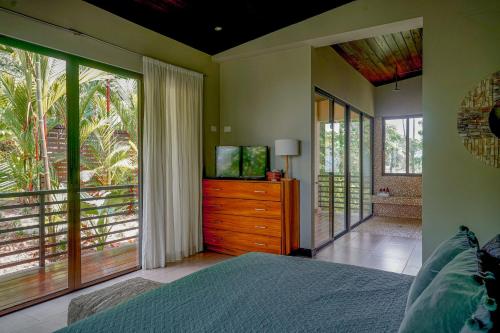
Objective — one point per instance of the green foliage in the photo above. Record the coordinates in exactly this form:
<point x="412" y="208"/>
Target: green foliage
<point x="254" y="161"/>
<point x="228" y="161"/>
<point x="108" y="129"/>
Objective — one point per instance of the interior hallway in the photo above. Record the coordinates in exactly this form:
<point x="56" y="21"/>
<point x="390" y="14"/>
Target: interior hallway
<point x="386" y="243"/>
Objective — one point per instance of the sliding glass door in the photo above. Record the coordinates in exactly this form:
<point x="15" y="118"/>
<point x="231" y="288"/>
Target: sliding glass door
<point x="339" y="169"/>
<point x="354" y="167"/>
<point x="323" y="227"/>
<point x="69" y="173"/>
<point x="109" y="134"/>
<point x="343" y="167"/>
<point x="33" y="177"/>
<point x="366" y="168"/>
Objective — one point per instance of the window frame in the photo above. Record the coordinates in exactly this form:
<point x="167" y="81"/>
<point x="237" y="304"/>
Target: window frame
<point x="407" y="139"/>
<point x="73" y="63"/>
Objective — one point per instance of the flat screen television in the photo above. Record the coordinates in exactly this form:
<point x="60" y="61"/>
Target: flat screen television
<point x="228" y="161"/>
<point x="254" y="161"/>
<point x="249" y="162"/>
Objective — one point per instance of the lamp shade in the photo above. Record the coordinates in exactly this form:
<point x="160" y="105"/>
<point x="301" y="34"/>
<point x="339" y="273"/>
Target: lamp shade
<point x="286" y="147"/>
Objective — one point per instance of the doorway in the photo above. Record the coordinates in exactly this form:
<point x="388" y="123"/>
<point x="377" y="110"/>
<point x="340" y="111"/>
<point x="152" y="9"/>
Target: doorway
<point x="343" y="176"/>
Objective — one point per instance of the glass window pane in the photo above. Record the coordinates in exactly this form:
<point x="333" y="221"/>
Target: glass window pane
<point x="395" y="145"/>
<point x="367" y="167"/>
<point x="355" y="168"/>
<point x="415" y="158"/>
<point x="323" y="155"/>
<point x="33" y="230"/>
<point x="108" y="173"/>
<point x="339" y="184"/>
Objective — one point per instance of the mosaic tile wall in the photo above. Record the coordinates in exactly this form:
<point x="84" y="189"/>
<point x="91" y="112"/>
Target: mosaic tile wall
<point x="473" y="126"/>
<point x="402" y="186"/>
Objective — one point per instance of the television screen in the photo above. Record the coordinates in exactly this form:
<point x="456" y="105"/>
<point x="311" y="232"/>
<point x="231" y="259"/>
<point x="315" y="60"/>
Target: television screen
<point x="228" y="161"/>
<point x="254" y="161"/>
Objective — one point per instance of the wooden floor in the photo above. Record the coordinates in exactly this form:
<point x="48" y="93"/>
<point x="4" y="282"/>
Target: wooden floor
<point x="34" y="283"/>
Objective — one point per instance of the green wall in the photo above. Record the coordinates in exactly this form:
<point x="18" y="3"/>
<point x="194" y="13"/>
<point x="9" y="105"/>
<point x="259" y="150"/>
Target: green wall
<point x="461" y="46"/>
<point x="96" y="22"/>
<point x="333" y="74"/>
<point x="268" y="97"/>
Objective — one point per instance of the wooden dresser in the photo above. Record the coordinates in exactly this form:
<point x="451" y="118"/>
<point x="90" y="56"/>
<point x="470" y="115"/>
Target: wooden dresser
<point x="242" y="216"/>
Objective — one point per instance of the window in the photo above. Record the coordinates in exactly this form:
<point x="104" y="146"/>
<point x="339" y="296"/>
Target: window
<point x="402" y="138"/>
<point x="69" y="172"/>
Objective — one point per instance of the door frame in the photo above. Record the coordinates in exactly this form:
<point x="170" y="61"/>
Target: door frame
<point x="73" y="64"/>
<point x="347" y="183"/>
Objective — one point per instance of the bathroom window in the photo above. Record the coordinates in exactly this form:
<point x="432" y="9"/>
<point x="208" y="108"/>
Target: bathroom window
<point x="402" y="145"/>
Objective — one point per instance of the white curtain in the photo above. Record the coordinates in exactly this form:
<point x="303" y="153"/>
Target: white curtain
<point x="172" y="149"/>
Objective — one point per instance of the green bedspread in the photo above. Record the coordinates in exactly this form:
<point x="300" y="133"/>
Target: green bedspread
<point x="264" y="293"/>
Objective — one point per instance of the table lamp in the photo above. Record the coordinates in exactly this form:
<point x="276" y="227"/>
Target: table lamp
<point x="286" y="147"/>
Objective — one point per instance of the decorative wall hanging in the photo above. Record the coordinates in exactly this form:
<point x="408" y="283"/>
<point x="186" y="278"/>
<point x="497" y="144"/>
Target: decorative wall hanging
<point x="479" y="121"/>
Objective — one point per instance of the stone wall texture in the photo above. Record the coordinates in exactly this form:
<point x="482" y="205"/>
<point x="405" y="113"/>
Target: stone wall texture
<point x="472" y="122"/>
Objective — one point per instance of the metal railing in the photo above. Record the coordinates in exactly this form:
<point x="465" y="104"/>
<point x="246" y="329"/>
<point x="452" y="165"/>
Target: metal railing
<point x="33" y="225"/>
<point x="339" y="191"/>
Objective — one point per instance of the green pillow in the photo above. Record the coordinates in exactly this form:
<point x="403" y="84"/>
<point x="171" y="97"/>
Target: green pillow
<point x="481" y="320"/>
<point x="450" y="300"/>
<point x="444" y="253"/>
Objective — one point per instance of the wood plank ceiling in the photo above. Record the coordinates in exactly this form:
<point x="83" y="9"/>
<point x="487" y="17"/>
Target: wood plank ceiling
<point x="378" y="58"/>
<point x="197" y="22"/>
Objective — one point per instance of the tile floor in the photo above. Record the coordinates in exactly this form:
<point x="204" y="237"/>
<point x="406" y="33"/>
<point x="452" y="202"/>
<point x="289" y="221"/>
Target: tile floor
<point x="387" y="244"/>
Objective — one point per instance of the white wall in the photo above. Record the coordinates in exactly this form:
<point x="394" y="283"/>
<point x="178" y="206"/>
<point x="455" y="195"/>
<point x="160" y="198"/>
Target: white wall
<point x="407" y="101"/>
<point x="333" y="74"/>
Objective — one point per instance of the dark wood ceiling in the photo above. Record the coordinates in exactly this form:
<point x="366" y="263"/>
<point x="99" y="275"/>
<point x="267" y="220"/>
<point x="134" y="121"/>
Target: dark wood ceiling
<point x="377" y="58"/>
<point x="193" y="22"/>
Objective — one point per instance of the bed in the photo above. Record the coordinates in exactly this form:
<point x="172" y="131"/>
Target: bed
<point x="260" y="292"/>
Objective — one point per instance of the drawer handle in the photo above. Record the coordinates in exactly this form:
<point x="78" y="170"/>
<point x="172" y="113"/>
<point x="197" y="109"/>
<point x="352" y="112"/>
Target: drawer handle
<point x="214" y="206"/>
<point x="217" y="189"/>
<point x="260" y="227"/>
<point x="260" y="209"/>
<point x="260" y="244"/>
<point x="259" y="191"/>
<point x="216" y="222"/>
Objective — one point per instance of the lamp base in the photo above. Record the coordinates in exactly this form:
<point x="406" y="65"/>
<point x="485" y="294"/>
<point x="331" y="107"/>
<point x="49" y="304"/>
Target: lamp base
<point x="287" y="175"/>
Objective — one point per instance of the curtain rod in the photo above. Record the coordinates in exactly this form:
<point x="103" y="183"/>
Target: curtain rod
<point x="82" y="34"/>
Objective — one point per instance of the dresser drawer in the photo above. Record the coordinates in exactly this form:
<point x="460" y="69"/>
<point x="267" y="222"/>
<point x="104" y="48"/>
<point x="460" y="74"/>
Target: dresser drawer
<point x="257" y="208"/>
<point x="245" y="224"/>
<point x="241" y="241"/>
<point x="242" y="190"/>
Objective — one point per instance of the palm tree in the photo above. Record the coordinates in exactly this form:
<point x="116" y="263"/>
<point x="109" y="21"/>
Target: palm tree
<point x="33" y="103"/>
<point x="108" y="135"/>
<point x="32" y="100"/>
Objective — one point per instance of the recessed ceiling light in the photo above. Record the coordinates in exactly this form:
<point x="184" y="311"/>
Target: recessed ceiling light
<point x="218" y="28"/>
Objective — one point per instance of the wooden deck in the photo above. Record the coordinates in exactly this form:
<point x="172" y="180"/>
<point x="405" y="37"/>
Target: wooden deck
<point x="30" y="284"/>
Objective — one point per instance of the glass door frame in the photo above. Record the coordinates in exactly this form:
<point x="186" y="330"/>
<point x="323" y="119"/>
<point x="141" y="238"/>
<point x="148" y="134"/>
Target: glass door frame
<point x="363" y="117"/>
<point x="347" y="118"/>
<point x="73" y="64"/>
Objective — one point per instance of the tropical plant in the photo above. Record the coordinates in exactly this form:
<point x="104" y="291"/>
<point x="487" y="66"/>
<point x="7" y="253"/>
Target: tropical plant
<point x="108" y="135"/>
<point x="33" y="104"/>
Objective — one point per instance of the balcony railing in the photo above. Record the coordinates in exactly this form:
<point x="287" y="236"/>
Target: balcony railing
<point x="339" y="191"/>
<point x="33" y="225"/>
